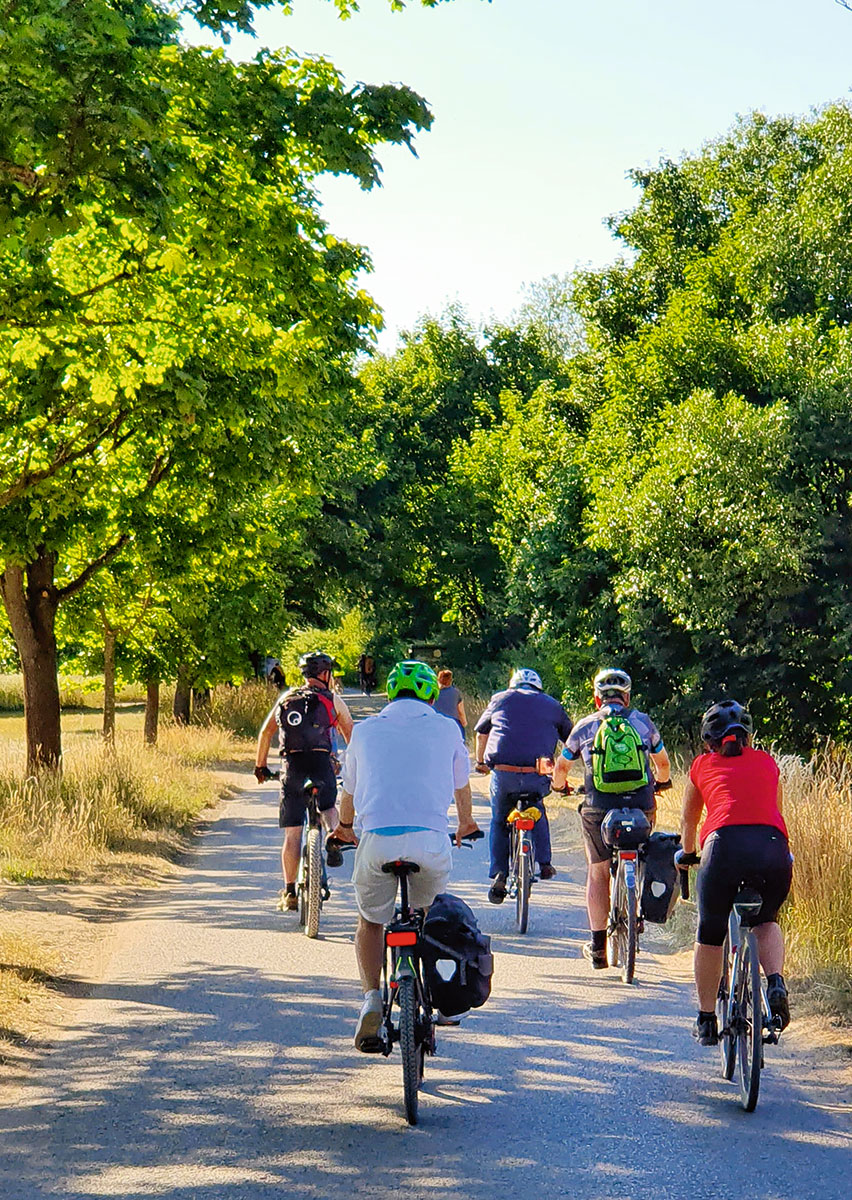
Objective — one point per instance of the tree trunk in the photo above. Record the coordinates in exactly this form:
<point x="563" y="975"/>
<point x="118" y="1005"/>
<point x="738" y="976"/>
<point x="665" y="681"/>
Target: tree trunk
<point x="183" y="697"/>
<point x="31" y="600"/>
<point x="152" y="711"/>
<point x="109" y="684"/>
<point x="201" y="706"/>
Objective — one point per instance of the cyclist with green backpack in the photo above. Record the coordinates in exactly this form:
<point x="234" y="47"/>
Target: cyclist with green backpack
<point x="625" y="763"/>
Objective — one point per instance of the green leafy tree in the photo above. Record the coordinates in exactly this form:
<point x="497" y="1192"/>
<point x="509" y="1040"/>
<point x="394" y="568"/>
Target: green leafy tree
<point x="169" y="292"/>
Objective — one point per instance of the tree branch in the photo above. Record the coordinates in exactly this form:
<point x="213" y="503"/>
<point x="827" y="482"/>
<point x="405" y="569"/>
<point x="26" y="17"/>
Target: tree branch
<point x="65" y="456"/>
<point x="24" y="175"/>
<point x="83" y="578"/>
<point x="158" y="472"/>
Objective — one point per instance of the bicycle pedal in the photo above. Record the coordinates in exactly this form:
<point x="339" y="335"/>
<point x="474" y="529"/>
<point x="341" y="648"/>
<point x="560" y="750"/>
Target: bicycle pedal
<point x="325" y="894"/>
<point x="373" y="1045"/>
<point x="770" y="1039"/>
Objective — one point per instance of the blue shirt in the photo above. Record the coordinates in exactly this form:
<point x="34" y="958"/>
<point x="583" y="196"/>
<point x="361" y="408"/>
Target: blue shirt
<point x="522" y="724"/>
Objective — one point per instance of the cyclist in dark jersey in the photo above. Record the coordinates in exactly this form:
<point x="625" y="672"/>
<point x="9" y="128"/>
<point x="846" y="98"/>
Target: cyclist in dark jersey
<point x="743" y="842"/>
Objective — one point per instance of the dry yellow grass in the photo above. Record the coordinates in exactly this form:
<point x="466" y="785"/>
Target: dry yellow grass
<point x="59" y="827"/>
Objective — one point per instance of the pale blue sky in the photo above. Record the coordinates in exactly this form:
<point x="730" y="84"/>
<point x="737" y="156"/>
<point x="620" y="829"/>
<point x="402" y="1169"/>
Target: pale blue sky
<point x="541" y="107"/>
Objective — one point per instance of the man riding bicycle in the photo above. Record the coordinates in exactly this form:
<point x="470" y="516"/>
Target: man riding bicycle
<point x="403" y="767"/>
<point x="305" y="718"/>
<point x="612" y="699"/>
<point x="519" y="727"/>
<point x="743" y="843"/>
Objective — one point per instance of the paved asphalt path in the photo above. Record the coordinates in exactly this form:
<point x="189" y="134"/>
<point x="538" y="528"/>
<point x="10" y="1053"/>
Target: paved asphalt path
<point x="215" y="1062"/>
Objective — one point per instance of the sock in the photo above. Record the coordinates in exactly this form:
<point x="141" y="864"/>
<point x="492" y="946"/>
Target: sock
<point x="776" y="979"/>
<point x="705" y="1016"/>
<point x="599" y="939"/>
<point x="373" y="994"/>
<point x="290" y="889"/>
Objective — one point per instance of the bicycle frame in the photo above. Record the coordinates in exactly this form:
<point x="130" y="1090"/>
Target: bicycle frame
<point x="521" y="867"/>
<point x="402" y="946"/>
<point x="740" y="972"/>
<point x="623" y="928"/>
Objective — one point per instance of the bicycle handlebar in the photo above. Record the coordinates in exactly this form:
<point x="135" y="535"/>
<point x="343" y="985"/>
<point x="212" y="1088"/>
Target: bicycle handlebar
<point x="683" y="862"/>
<point x="468" y="839"/>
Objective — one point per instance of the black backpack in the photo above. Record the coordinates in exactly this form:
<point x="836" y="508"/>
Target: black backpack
<point x="305" y="717"/>
<point x="457" y="958"/>
<point x="659" y="891"/>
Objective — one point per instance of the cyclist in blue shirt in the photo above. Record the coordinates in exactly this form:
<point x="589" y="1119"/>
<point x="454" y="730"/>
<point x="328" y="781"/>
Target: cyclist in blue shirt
<point x="518" y="728"/>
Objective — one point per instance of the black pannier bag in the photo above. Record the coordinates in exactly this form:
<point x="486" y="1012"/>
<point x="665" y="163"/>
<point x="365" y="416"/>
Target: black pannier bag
<point x="457" y="958"/>
<point x="659" y="891"/>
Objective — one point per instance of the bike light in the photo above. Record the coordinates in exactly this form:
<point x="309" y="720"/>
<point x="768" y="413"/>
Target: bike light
<point x="628" y="855"/>
<point x="524" y="823"/>
<point x="407" y="938"/>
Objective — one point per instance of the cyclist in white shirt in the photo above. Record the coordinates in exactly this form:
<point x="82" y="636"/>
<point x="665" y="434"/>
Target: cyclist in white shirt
<point x="403" y="767"/>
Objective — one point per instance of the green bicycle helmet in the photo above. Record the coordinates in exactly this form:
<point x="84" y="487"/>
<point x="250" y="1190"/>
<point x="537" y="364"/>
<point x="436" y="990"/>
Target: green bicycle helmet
<point x="412" y="678"/>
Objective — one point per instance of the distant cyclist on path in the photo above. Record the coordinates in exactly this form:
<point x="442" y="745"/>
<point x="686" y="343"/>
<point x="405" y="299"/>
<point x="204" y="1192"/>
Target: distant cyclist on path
<point x="403" y="768"/>
<point x="520" y="727"/>
<point x="743" y="843"/>
<point x="305" y="718"/>
<point x="612" y="698"/>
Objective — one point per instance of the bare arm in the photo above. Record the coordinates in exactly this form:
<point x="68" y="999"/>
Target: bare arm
<point x="464" y="809"/>
<point x="560" y="772"/>
<point x="779" y="800"/>
<point x="462" y="715"/>
<point x="264" y="741"/>
<point x="346" y="818"/>
<point x="481" y="742"/>
<point x="662" y="766"/>
<point x="693" y="806"/>
<point x="344" y="718"/>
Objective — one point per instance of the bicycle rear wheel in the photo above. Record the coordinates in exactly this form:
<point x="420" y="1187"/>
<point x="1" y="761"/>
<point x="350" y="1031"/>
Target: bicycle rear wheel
<point x="412" y="1056"/>
<point x="727" y="1041"/>
<point x="631" y="931"/>
<point x="313" y="882"/>
<point x="615" y="931"/>
<point x="749" y="1024"/>
<point x="522" y="894"/>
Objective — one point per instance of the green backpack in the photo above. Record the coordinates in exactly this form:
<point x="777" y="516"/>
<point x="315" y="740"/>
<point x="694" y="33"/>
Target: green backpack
<point x="619" y="760"/>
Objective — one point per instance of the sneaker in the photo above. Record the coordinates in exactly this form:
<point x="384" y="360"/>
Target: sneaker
<point x="779" y="1005"/>
<point x="546" y="871"/>
<point x="287" y="902"/>
<point x="596" y="957"/>
<point x="441" y="1019"/>
<point x="369" y="1023"/>
<point x="497" y="891"/>
<point x="333" y="853"/>
<point x="706" y="1030"/>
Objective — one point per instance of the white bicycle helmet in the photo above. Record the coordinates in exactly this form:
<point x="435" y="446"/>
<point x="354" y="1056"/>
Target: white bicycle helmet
<point x="612" y="684"/>
<point x="524" y="677"/>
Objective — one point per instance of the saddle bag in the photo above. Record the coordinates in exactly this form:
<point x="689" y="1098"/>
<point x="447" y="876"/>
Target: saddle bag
<point x="457" y="959"/>
<point x="659" y="891"/>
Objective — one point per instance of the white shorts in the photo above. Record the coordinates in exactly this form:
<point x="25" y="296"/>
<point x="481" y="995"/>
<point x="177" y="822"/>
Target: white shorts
<point x="376" y="891"/>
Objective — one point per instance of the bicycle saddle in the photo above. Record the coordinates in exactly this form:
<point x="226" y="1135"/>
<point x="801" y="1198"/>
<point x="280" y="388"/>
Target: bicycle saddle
<point x="748" y="902"/>
<point x="400" y="867"/>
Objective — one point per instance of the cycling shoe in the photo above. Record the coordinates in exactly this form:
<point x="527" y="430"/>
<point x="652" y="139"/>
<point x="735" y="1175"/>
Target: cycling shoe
<point x="706" y="1030"/>
<point x="779" y="1005"/>
<point x="497" y="891"/>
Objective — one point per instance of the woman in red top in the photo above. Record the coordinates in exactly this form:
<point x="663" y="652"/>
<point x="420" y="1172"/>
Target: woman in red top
<point x="743" y="843"/>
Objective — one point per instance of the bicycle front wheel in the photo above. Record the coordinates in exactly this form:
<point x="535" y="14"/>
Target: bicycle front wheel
<point x="313" y="882"/>
<point x="522" y="895"/>
<point x="412" y="1059"/>
<point x="749" y="1024"/>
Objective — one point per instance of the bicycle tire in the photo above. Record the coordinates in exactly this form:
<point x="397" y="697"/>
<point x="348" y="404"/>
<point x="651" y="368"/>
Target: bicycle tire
<point x="412" y="1058"/>
<point x="631" y="933"/>
<point x="727" y="1041"/>
<point x="522" y="894"/>
<point x="750" y="1024"/>
<point x="313" y="882"/>
<point x="615" y="950"/>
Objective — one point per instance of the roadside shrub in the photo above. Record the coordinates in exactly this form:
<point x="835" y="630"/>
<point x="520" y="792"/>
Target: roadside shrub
<point x="242" y="709"/>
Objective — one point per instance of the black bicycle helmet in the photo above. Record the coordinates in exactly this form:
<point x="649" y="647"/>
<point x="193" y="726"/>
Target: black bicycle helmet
<point x="725" y="719"/>
<point x="315" y="663"/>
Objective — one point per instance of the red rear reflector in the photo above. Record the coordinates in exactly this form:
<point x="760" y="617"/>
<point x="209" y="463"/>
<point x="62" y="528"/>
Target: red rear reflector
<point x="402" y="939"/>
<point x="525" y="848"/>
<point x="630" y="855"/>
<point x="524" y="823"/>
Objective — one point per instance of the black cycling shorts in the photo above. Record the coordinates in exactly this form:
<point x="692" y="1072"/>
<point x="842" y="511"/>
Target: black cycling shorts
<point x="735" y="856"/>
<point x="597" y="851"/>
<point x="297" y="769"/>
